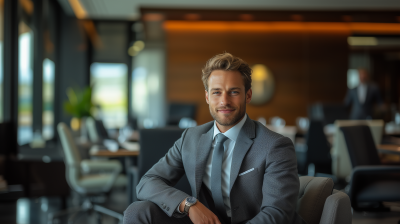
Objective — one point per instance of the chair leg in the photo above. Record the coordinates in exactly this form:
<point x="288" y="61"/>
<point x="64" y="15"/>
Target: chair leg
<point x="73" y="218"/>
<point x="52" y="216"/>
<point x="109" y="212"/>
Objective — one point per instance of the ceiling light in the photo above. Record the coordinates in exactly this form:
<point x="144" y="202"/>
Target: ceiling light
<point x="362" y="41"/>
<point x="78" y="8"/>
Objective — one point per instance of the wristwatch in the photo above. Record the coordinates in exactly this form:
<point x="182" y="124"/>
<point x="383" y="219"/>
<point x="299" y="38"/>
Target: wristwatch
<point x="190" y="201"/>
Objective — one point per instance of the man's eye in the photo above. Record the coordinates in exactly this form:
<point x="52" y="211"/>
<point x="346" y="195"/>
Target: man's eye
<point x="235" y="92"/>
<point x="215" y="92"/>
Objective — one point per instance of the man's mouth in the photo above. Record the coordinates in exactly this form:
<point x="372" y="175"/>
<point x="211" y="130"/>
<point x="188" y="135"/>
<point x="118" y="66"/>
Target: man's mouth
<point x="225" y="111"/>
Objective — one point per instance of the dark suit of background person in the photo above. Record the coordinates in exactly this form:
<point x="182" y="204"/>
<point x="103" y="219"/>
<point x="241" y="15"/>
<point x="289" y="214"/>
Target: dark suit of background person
<point x="362" y="101"/>
<point x="261" y="185"/>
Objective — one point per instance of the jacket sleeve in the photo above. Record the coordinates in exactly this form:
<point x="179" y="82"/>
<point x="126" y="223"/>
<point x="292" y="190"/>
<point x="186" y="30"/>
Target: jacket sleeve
<point x="156" y="184"/>
<point x="280" y="187"/>
<point x="348" y="99"/>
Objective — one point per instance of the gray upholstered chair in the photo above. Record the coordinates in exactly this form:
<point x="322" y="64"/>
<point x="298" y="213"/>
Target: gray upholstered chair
<point x="88" y="178"/>
<point x="319" y="203"/>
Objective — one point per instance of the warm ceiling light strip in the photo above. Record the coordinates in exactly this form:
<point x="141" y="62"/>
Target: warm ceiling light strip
<point x="78" y="8"/>
<point x="381" y="28"/>
<point x="91" y="31"/>
<point x="27" y="5"/>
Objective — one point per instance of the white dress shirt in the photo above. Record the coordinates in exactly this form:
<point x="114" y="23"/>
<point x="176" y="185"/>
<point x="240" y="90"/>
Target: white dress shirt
<point x="229" y="145"/>
<point x="362" y="92"/>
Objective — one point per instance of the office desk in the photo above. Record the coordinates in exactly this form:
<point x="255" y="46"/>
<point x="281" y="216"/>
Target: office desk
<point x="119" y="153"/>
<point x="389" y="149"/>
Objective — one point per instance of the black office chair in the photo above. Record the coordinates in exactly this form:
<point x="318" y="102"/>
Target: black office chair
<point x="318" y="156"/>
<point x="371" y="183"/>
<point x="154" y="144"/>
<point x="177" y="111"/>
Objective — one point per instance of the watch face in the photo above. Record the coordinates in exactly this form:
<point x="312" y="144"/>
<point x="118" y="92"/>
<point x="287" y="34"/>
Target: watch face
<point x="191" y="200"/>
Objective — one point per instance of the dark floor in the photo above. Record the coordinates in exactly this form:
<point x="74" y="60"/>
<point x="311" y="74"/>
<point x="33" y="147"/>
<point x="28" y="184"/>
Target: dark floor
<point x="35" y="211"/>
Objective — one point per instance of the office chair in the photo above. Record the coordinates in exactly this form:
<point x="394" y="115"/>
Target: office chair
<point x="80" y="178"/>
<point x="154" y="144"/>
<point x="177" y="111"/>
<point x="341" y="164"/>
<point x="96" y="130"/>
<point x="371" y="182"/>
<point x="318" y="202"/>
<point x="318" y="156"/>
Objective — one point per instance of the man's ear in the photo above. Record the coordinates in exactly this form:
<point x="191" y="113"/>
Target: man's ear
<point x="249" y="94"/>
<point x="206" y="96"/>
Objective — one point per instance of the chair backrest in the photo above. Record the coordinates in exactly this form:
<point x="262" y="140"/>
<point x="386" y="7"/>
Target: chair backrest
<point x="176" y="111"/>
<point x="318" y="147"/>
<point x="92" y="131"/>
<point x="341" y="164"/>
<point x="72" y="158"/>
<point x="360" y="145"/>
<point x="154" y="144"/>
<point x="312" y="196"/>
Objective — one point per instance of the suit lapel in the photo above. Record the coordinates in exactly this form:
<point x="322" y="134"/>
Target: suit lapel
<point x="203" y="150"/>
<point x="243" y="144"/>
<point x="367" y="93"/>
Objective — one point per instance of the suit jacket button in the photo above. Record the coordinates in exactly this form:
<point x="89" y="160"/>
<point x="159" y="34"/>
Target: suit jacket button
<point x="167" y="208"/>
<point x="164" y="206"/>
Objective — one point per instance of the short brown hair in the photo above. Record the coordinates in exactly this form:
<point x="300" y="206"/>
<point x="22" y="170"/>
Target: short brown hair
<point x="227" y="62"/>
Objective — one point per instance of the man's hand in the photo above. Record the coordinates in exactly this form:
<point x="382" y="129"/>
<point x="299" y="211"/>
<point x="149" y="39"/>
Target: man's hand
<point x="200" y="214"/>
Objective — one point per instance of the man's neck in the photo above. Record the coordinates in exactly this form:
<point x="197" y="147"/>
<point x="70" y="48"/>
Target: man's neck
<point x="224" y="129"/>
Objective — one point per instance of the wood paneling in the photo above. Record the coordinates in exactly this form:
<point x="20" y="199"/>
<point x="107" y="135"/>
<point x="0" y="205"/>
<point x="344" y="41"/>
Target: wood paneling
<point x="308" y="67"/>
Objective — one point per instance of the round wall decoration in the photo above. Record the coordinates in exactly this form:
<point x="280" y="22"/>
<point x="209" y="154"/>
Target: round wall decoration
<point x="263" y="84"/>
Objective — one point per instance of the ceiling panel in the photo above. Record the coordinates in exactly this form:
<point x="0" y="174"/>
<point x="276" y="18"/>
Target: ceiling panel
<point x="129" y="9"/>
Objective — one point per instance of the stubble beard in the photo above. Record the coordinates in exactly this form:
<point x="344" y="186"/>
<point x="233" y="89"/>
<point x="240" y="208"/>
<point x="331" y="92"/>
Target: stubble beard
<point x="234" y="120"/>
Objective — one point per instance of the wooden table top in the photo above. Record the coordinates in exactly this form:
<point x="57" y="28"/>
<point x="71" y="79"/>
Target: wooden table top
<point x="390" y="149"/>
<point x="119" y="153"/>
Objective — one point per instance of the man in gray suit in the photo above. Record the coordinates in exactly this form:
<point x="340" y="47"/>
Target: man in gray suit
<point x="363" y="97"/>
<point x="239" y="171"/>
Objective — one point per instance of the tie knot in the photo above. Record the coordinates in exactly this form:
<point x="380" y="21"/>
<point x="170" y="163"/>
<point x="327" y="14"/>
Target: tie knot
<point x="221" y="138"/>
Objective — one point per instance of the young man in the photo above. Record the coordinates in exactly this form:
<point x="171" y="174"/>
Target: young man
<point x="239" y="171"/>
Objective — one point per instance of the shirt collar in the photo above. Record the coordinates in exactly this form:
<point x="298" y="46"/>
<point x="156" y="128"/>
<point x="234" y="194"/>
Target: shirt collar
<point x="233" y="132"/>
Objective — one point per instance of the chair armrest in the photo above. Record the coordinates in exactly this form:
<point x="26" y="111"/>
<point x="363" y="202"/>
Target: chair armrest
<point x="369" y="170"/>
<point x="133" y="181"/>
<point x="89" y="166"/>
<point x="363" y="175"/>
<point x="337" y="209"/>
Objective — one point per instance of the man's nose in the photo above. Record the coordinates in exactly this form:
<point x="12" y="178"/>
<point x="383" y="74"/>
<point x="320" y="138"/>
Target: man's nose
<point x="224" y="100"/>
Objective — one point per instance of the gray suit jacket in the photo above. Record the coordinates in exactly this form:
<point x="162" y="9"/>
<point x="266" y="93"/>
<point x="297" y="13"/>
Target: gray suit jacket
<point x="362" y="110"/>
<point x="268" y="194"/>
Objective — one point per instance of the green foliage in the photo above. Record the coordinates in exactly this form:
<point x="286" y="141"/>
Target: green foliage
<point x="79" y="102"/>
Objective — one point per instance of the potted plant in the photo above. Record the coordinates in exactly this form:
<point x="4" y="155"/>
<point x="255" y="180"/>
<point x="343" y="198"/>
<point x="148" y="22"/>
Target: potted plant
<point x="78" y="105"/>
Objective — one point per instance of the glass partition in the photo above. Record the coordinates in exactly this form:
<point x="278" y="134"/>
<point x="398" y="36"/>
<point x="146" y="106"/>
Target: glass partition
<point x="25" y="72"/>
<point x="110" y="94"/>
<point x="48" y="98"/>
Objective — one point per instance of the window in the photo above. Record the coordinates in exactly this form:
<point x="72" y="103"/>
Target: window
<point x="48" y="98"/>
<point x="25" y="87"/>
<point x="110" y="94"/>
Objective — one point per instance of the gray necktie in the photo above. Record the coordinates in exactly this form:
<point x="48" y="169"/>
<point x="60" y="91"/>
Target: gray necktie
<point x="216" y="174"/>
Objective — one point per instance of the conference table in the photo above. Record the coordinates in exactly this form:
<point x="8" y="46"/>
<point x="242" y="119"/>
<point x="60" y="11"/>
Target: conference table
<point x="389" y="149"/>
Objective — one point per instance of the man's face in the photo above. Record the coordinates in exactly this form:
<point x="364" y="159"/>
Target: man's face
<point x="363" y="75"/>
<point x="227" y="97"/>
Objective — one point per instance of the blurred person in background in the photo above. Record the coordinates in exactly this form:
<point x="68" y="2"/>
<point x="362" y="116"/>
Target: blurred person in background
<point x="363" y="98"/>
<point x="239" y="171"/>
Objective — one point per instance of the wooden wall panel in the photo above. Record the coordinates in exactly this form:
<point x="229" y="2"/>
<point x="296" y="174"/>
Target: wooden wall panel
<point x="307" y="67"/>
